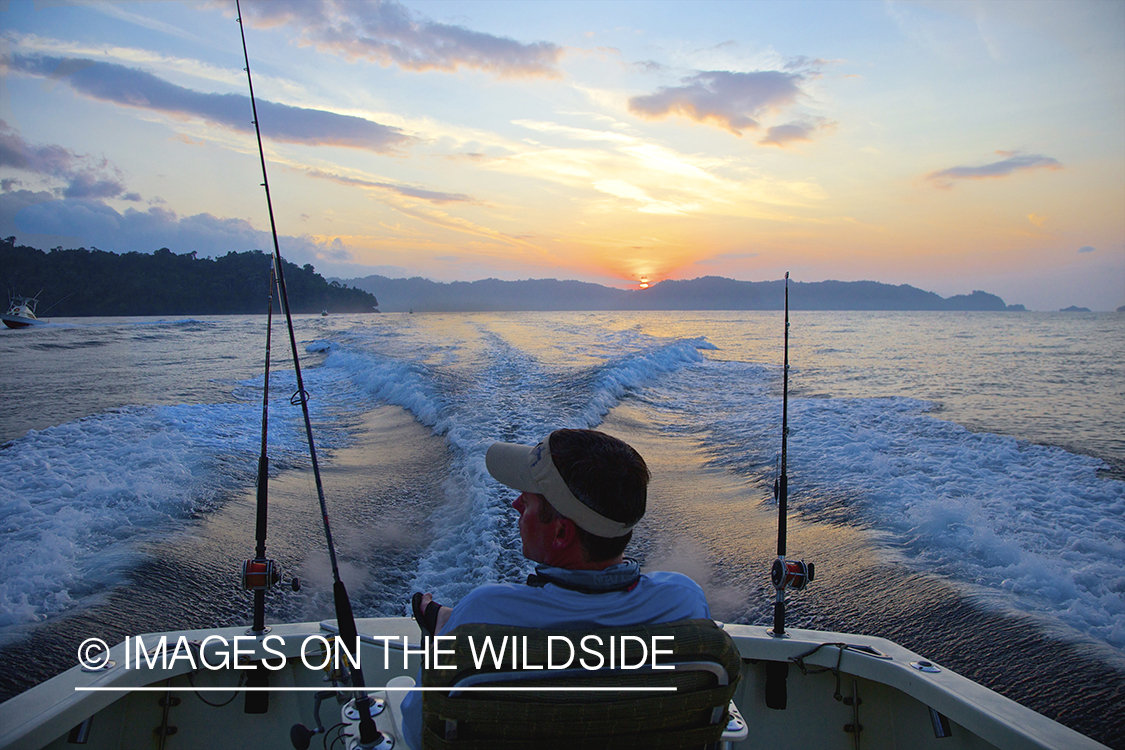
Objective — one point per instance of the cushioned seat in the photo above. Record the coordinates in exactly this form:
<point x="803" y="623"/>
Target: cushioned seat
<point x="693" y="715"/>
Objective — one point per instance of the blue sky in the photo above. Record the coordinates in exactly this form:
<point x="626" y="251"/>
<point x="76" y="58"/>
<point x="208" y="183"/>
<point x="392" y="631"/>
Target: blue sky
<point x="949" y="145"/>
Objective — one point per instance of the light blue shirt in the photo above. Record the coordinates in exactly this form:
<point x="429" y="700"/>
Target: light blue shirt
<point x="658" y="597"/>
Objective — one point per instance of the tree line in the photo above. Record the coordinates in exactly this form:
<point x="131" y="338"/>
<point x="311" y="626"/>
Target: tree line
<point x="707" y="293"/>
<point x="83" y="282"/>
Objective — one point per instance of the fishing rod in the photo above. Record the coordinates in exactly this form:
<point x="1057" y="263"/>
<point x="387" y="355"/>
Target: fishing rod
<point x="261" y="573"/>
<point x="52" y="307"/>
<point x="56" y="304"/>
<point x="785" y="573"/>
<point x="369" y="735"/>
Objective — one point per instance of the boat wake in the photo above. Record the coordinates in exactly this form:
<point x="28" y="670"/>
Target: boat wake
<point x="1030" y="527"/>
<point x="1027" y="527"/>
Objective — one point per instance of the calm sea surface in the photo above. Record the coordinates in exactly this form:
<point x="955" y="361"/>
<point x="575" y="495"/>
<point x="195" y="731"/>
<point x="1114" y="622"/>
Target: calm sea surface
<point x="958" y="478"/>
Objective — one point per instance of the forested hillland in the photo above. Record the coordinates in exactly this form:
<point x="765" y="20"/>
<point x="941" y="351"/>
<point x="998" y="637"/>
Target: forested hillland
<point x="85" y="282"/>
<point x="707" y="293"/>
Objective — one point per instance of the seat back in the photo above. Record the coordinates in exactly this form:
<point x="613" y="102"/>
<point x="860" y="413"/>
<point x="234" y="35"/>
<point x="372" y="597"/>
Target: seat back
<point x="601" y="715"/>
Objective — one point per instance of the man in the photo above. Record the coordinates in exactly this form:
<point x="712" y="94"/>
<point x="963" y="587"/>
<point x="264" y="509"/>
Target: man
<point x="581" y="494"/>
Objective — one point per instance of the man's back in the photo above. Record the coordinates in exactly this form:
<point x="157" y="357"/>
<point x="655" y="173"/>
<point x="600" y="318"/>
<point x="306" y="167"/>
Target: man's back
<point x="655" y="598"/>
<point x="581" y="494"/>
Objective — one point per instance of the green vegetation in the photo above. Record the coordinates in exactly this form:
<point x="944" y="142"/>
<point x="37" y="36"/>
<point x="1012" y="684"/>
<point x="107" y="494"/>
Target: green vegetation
<point x="707" y="293"/>
<point x="94" y="282"/>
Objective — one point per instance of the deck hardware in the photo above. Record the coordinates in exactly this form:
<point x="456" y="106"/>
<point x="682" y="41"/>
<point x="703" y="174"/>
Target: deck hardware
<point x="855" y="727"/>
<point x="776" y="692"/>
<point x="100" y="667"/>
<point x="163" y="731"/>
<point x="299" y="735"/>
<point x="942" y="729"/>
<point x="800" y="662"/>
<point x="80" y="734"/>
<point x="169" y="700"/>
<point x="737" y="729"/>
<point x="256" y="701"/>
<point x="234" y="691"/>
<point x="925" y="666"/>
<point x="352" y="714"/>
<point x="863" y="648"/>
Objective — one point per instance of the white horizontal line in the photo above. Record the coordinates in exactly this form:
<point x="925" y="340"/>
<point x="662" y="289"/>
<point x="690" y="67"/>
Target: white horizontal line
<point x="598" y="689"/>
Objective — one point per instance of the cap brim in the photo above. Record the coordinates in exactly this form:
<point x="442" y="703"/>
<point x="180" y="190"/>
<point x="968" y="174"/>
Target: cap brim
<point x="531" y="469"/>
<point x="510" y="464"/>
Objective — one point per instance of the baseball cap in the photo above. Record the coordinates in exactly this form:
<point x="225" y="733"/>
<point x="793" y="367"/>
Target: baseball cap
<point x="529" y="468"/>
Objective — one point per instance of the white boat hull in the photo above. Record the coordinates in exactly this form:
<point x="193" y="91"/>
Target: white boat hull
<point x="128" y="707"/>
<point x="19" y="321"/>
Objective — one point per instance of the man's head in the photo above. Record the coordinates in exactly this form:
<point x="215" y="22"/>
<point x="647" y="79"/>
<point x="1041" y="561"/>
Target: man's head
<point x="593" y="487"/>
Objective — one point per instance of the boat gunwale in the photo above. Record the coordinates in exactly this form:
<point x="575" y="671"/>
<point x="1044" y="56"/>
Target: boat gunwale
<point x="34" y="715"/>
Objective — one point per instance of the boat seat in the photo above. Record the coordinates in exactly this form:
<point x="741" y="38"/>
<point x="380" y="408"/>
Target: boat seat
<point x="707" y="669"/>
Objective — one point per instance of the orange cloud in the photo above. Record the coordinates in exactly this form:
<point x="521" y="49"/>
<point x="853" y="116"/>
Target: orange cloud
<point x="792" y="132"/>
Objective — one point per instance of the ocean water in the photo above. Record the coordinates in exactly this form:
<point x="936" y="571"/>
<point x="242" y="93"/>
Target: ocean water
<point x="959" y="478"/>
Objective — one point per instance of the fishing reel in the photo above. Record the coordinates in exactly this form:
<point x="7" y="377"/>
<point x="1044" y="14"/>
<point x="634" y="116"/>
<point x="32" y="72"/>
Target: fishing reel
<point x="260" y="575"/>
<point x="793" y="574"/>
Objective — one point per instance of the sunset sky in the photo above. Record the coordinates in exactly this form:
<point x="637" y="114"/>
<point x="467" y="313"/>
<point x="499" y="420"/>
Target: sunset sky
<point x="948" y="145"/>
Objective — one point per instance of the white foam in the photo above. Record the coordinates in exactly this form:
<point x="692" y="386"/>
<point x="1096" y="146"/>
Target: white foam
<point x="1034" y="527"/>
<point x="77" y="499"/>
<point x="500" y="393"/>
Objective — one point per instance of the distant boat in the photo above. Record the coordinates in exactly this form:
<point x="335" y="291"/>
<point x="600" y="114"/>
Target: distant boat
<point x="324" y="313"/>
<point x="21" y="312"/>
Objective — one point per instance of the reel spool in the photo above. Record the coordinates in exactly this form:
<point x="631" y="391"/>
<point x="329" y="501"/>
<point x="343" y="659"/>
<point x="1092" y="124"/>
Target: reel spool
<point x="794" y="574"/>
<point x="259" y="575"/>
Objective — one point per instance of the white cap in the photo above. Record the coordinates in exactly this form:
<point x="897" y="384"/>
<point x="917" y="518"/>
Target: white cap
<point x="530" y="468"/>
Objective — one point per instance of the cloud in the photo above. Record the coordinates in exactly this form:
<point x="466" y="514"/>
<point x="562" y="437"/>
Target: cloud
<point x="388" y="33"/>
<point x="1087" y="249"/>
<point x="130" y="87"/>
<point x="89" y="223"/>
<point x="1036" y="219"/>
<point x="86" y="177"/>
<point x="90" y="186"/>
<point x="733" y="101"/>
<point x="17" y="153"/>
<point x="1014" y="162"/>
<point x="404" y="190"/>
<point x="792" y="132"/>
<point x="644" y="202"/>
<point x="801" y="62"/>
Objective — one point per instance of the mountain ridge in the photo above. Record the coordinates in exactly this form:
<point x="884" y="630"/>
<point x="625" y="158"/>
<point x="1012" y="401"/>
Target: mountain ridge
<point x="703" y="293"/>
